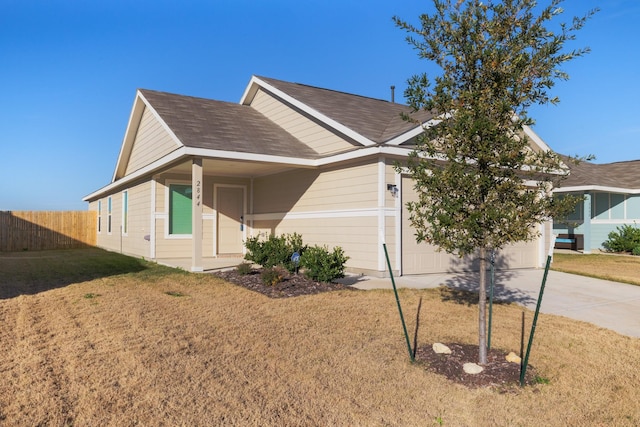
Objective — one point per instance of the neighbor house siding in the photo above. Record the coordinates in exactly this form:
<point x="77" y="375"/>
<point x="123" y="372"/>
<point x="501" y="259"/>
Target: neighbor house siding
<point x="300" y="126"/>
<point x="608" y="212"/>
<point x="633" y="207"/>
<point x="151" y="143"/>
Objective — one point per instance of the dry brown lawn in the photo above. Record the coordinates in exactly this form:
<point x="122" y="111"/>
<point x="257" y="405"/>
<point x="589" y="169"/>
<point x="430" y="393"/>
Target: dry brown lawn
<point x="619" y="268"/>
<point x="156" y="346"/>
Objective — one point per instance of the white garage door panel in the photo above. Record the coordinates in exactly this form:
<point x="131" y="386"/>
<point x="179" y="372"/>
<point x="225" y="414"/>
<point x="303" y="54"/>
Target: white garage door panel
<point x="423" y="258"/>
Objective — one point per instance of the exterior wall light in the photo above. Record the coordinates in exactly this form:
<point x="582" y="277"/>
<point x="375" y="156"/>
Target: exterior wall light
<point x="393" y="189"/>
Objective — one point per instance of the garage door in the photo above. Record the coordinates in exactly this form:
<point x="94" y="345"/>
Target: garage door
<point x="423" y="258"/>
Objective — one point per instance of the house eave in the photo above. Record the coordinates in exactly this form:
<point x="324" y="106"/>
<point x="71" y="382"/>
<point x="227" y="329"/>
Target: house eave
<point x="601" y="188"/>
<point x="187" y="152"/>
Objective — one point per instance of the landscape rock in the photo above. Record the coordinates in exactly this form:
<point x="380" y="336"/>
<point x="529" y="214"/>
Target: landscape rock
<point x="441" y="348"/>
<point x="472" y="368"/>
<point x="513" y="358"/>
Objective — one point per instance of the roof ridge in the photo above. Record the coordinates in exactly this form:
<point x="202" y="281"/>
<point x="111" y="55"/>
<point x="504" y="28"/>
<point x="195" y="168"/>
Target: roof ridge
<point x="331" y="90"/>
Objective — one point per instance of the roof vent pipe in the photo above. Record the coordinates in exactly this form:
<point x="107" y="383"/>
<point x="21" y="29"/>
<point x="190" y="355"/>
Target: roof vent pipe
<point x="393" y="90"/>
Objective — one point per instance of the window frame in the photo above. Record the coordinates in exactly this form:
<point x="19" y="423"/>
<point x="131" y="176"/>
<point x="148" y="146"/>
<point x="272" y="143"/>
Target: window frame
<point x="125" y="213"/>
<point x="169" y="212"/>
<point x="99" y="216"/>
<point x="109" y="210"/>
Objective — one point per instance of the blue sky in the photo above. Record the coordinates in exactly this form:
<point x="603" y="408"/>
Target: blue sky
<point x="70" y="68"/>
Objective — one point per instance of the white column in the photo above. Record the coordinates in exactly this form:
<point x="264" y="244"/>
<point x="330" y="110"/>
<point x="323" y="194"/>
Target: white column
<point x="382" y="186"/>
<point x="196" y="215"/>
<point x="586" y="224"/>
<point x="152" y="219"/>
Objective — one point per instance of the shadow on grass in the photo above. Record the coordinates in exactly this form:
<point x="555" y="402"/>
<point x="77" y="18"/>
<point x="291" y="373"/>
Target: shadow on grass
<point x="29" y="273"/>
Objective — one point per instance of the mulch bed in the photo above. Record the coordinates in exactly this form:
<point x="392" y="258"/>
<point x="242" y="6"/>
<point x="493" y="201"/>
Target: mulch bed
<point x="292" y="286"/>
<point x="497" y="373"/>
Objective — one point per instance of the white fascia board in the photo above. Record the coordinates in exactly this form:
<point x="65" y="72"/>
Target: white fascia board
<point x="601" y="188"/>
<point x="364" y="152"/>
<point x="234" y="155"/>
<point x="237" y="155"/>
<point x="127" y="141"/>
<point x="249" y="92"/>
<point x="535" y="138"/>
<point x="413" y="132"/>
<point x="158" y="164"/>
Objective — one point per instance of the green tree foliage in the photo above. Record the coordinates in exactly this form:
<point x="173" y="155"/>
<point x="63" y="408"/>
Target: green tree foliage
<point x="480" y="185"/>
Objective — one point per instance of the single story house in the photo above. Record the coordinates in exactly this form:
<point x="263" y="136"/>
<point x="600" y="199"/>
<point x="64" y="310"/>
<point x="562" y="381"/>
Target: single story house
<point x="611" y="194"/>
<point x="195" y="177"/>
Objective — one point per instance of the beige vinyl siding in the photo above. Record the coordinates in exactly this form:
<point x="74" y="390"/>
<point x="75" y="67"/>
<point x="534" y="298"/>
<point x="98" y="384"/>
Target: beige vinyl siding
<point x="357" y="236"/>
<point x="355" y="187"/>
<point x="150" y="144"/>
<point x="133" y="243"/>
<point x="138" y="224"/>
<point x="306" y="130"/>
<point x="391" y="243"/>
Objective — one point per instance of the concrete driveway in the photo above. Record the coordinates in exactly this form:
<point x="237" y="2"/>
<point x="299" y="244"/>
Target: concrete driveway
<point x="611" y="305"/>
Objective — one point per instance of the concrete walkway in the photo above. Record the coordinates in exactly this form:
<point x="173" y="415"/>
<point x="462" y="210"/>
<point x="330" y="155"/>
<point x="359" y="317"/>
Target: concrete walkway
<point x="611" y="305"/>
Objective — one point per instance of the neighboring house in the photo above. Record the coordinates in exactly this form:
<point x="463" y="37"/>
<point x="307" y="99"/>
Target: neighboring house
<point x="611" y="198"/>
<point x="195" y="177"/>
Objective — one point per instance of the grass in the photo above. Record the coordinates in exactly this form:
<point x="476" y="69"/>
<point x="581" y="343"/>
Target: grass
<point x="228" y="356"/>
<point x="619" y="268"/>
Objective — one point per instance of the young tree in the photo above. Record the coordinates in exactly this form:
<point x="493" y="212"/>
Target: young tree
<point x="480" y="184"/>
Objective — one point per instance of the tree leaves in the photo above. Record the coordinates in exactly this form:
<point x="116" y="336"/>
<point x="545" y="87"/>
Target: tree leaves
<point x="488" y="187"/>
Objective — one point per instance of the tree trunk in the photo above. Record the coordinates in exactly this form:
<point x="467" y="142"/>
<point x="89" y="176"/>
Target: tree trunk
<point x="482" y="310"/>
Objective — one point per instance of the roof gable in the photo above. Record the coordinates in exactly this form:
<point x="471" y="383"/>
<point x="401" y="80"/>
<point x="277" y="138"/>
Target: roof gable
<point x="368" y="121"/>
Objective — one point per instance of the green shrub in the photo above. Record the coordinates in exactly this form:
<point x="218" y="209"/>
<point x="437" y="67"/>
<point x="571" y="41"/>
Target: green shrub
<point x="625" y="239"/>
<point x="273" y="275"/>
<point x="636" y="251"/>
<point x="322" y="266"/>
<point x="275" y="250"/>
<point x="244" y="268"/>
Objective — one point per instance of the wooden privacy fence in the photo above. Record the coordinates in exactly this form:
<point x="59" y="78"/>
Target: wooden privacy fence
<point x="41" y="230"/>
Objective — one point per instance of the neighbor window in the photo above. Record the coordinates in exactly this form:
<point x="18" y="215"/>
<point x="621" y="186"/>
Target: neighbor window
<point x="609" y="206"/>
<point x="125" y="212"/>
<point x="180" y="209"/>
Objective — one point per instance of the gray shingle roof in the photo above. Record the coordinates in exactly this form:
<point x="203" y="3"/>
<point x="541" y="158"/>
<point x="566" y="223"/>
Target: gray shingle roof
<point x="376" y="119"/>
<point x="618" y="174"/>
<point x="218" y="125"/>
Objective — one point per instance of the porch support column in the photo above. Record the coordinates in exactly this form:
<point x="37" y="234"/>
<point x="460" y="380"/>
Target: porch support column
<point x="196" y="215"/>
<point x="586" y="223"/>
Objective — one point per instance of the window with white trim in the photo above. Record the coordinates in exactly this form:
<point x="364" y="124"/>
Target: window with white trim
<point x="109" y="215"/>
<point x="99" y="216"/>
<point x="180" y="209"/>
<point x="125" y="212"/>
